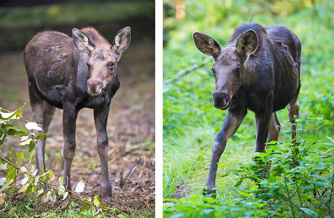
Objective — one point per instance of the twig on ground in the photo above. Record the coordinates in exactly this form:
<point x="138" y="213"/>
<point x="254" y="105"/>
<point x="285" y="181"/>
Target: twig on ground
<point x="131" y="170"/>
<point x="141" y="171"/>
<point x="187" y="70"/>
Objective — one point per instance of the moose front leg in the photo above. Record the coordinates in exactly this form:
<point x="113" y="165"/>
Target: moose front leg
<point x="69" y="119"/>
<point x="101" y="117"/>
<point x="231" y="123"/>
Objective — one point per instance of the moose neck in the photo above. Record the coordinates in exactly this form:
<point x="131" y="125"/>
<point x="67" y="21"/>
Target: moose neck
<point x="82" y="70"/>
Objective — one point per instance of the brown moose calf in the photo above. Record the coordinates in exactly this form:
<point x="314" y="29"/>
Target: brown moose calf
<point x="70" y="74"/>
<point x="258" y="70"/>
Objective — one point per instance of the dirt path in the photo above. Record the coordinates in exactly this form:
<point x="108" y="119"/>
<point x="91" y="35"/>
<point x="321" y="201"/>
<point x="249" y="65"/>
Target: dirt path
<point x="130" y="131"/>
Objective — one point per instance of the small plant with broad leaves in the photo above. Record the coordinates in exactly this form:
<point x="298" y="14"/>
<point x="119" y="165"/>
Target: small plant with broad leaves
<point x="12" y="163"/>
<point x="299" y="183"/>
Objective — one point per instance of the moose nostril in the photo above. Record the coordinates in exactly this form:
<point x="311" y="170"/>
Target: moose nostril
<point x="94" y="87"/>
<point x="220" y="99"/>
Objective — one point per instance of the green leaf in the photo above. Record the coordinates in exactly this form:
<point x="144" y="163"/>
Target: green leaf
<point x="40" y="136"/>
<point x="11" y="153"/>
<point x="31" y="145"/>
<point x="93" y="209"/>
<point x="320" y="184"/>
<point x="239" y="182"/>
<point x="171" y="199"/>
<point x="47" y="196"/>
<point x="51" y="175"/>
<point x="68" y="204"/>
<point x="96" y="201"/>
<point x="309" y="212"/>
<point x="11" y="174"/>
<point x="32" y="154"/>
<point x="61" y="190"/>
<point x="29" y="189"/>
<point x="244" y="194"/>
<point x="61" y="180"/>
<point x="263" y="182"/>
<point x="84" y="208"/>
<point x="12" y="131"/>
<point x="254" y="187"/>
<point x="43" y="177"/>
<point x="20" y="156"/>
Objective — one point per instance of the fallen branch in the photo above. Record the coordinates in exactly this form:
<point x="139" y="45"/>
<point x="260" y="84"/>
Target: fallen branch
<point x="128" y="175"/>
<point x="187" y="70"/>
<point x="52" y="186"/>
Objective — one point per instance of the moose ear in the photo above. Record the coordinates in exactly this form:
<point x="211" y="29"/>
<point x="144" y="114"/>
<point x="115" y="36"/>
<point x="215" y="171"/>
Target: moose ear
<point x="122" y="40"/>
<point x="206" y="44"/>
<point x="247" y="43"/>
<point x="82" y="41"/>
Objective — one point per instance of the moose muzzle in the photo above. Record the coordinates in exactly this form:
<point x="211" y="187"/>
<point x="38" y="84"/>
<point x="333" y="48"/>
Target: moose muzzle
<point x="94" y="87"/>
<point x="221" y="100"/>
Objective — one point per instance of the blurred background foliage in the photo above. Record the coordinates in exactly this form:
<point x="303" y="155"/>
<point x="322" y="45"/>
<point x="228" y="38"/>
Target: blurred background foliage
<point x="190" y="119"/>
<point x="20" y="21"/>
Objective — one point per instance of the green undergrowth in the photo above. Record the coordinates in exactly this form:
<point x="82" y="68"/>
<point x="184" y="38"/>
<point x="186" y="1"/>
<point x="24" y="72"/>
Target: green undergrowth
<point x="190" y="119"/>
<point x="299" y="184"/>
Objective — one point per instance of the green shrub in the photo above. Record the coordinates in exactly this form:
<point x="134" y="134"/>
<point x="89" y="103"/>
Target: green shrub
<point x="300" y="183"/>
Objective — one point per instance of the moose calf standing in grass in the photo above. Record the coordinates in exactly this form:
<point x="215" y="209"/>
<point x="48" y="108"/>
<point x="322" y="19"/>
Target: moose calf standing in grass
<point x="71" y="74"/>
<point x="258" y="70"/>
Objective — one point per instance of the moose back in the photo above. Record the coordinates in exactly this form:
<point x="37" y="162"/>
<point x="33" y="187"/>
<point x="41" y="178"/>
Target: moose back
<point x="258" y="70"/>
<point x="70" y="74"/>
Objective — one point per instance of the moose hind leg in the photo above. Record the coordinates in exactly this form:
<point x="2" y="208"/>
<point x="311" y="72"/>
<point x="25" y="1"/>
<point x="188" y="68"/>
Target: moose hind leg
<point x="48" y="112"/>
<point x="69" y="119"/>
<point x="37" y="110"/>
<point x="293" y="113"/>
<point x="273" y="133"/>
<point x="274" y="128"/>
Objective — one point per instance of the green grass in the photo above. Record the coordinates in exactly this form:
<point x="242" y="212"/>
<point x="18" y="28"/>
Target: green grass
<point x="191" y="121"/>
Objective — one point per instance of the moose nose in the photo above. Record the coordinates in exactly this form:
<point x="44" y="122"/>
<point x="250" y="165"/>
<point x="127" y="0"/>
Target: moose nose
<point x="221" y="100"/>
<point x="94" y="87"/>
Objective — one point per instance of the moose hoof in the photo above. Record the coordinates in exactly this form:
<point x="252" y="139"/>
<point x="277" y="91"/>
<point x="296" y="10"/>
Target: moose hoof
<point x="64" y="203"/>
<point x="105" y="193"/>
<point x="207" y="191"/>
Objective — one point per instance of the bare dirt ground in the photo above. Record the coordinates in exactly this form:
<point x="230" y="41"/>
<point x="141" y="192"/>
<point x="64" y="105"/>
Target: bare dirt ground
<point x="130" y="129"/>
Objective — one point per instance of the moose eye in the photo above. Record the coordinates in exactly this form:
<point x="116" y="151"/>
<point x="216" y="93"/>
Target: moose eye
<point x="111" y="65"/>
<point x="213" y="71"/>
<point x="238" y="70"/>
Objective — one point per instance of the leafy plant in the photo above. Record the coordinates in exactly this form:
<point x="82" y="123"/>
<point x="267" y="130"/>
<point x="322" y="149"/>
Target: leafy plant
<point x="31" y="180"/>
<point x="299" y="184"/>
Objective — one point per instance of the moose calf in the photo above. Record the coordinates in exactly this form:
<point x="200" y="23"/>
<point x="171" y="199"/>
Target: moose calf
<point x="258" y="70"/>
<point x="71" y="74"/>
